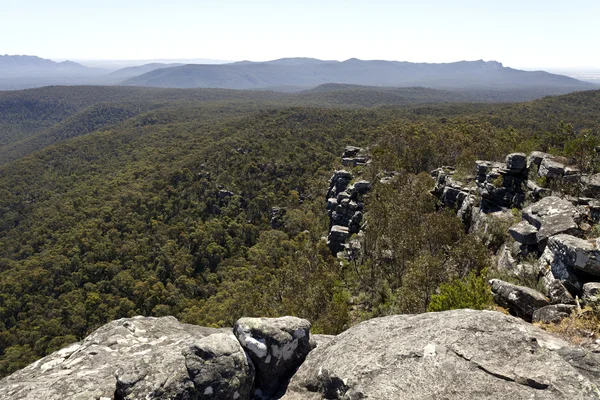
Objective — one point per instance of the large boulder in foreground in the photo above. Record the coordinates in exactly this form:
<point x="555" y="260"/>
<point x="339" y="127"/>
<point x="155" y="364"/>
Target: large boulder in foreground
<point x="134" y="358"/>
<point x="277" y="347"/>
<point x="452" y="355"/>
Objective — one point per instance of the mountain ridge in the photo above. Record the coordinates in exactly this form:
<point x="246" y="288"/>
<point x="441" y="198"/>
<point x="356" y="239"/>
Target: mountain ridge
<point x="308" y="73"/>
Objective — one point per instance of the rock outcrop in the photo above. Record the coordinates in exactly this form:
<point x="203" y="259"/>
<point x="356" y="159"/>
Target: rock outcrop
<point x="129" y="358"/>
<point x="277" y="347"/>
<point x="553" y="228"/>
<point x="460" y="354"/>
<point x="344" y="200"/>
<point x="161" y="358"/>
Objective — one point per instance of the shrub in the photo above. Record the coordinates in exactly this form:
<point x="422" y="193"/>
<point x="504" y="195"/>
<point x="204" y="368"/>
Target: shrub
<point x="471" y="292"/>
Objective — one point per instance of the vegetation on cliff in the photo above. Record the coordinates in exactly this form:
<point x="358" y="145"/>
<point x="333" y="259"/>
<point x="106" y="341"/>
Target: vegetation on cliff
<point x="142" y="204"/>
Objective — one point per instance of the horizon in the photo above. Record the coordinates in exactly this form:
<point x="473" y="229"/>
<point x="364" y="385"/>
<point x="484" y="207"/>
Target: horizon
<point x="536" y="35"/>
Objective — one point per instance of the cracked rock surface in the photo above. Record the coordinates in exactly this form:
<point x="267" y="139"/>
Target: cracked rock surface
<point x="459" y="354"/>
<point x="130" y="358"/>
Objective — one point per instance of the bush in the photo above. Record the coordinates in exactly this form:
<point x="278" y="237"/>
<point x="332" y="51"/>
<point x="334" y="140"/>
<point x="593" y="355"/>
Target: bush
<point x="471" y="292"/>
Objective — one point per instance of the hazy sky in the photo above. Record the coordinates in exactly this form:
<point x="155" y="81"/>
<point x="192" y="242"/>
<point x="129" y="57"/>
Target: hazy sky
<point x="519" y="33"/>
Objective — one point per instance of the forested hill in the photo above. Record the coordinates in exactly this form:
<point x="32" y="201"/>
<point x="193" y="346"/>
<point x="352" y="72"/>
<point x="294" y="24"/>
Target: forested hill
<point x="33" y="119"/>
<point x="307" y="73"/>
<point x="165" y="208"/>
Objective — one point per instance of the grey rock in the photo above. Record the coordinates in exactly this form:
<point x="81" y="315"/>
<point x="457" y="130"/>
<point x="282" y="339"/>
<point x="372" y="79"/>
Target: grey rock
<point x="553" y="267"/>
<point x="555" y="224"/>
<point x="516" y="161"/>
<point x="535" y="158"/>
<point x="548" y="206"/>
<point x="551" y="169"/>
<point x="277" y="347"/>
<point x="558" y="294"/>
<point x="580" y="254"/>
<point x="361" y="187"/>
<point x="524" y="232"/>
<point x="351" y="151"/>
<point x="278" y="217"/>
<point x="537" y="192"/>
<point x="553" y="313"/>
<point x="591" y="185"/>
<point x="145" y="355"/>
<point x="520" y="300"/>
<point x="452" y="355"/>
<point x="223" y="194"/>
<point x="591" y="290"/>
<point x="219" y="368"/>
<point x="332" y="203"/>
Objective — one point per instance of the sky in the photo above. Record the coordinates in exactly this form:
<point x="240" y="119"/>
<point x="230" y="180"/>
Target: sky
<point x="551" y="34"/>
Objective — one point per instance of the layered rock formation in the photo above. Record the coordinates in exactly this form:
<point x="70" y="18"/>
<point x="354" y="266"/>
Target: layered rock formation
<point x="554" y="226"/>
<point x="460" y="354"/>
<point x="344" y="200"/>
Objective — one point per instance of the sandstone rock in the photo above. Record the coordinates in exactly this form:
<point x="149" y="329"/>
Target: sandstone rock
<point x="360" y="187"/>
<point x="580" y="254"/>
<point x="520" y="300"/>
<point x="552" y="215"/>
<point x="558" y="294"/>
<point x="452" y="355"/>
<point x="351" y="151"/>
<point x="219" y="368"/>
<point x="535" y="158"/>
<point x="277" y="347"/>
<point x="516" y="162"/>
<point x="524" y="232"/>
<point x="548" y="206"/>
<point x="591" y="185"/>
<point x="537" y="192"/>
<point x="277" y="217"/>
<point x="590" y="290"/>
<point x="553" y="313"/>
<point x="554" y="268"/>
<point x="144" y="353"/>
<point x="551" y="169"/>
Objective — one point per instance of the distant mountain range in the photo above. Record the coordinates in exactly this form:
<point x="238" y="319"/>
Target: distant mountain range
<point x="288" y="74"/>
<point x="308" y="73"/>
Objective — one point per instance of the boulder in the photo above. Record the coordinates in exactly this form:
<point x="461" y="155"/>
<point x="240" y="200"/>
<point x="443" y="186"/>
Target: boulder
<point x="351" y="151"/>
<point x="537" y="192"/>
<point x="591" y="185"/>
<point x="555" y="224"/>
<point x="138" y="358"/>
<point x="551" y="169"/>
<point x="219" y="368"/>
<point x="581" y="254"/>
<point x="277" y="347"/>
<point x="360" y="187"/>
<point x="520" y="300"/>
<point x="548" y="206"/>
<point x="553" y="314"/>
<point x="524" y="232"/>
<point x="451" y="355"/>
<point x="558" y="294"/>
<point x="590" y="290"/>
<point x="516" y="162"/>
<point x="535" y="158"/>
<point x="554" y="268"/>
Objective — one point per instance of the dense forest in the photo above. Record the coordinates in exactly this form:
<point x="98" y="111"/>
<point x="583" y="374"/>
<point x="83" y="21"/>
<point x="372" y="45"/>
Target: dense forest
<point x="117" y="202"/>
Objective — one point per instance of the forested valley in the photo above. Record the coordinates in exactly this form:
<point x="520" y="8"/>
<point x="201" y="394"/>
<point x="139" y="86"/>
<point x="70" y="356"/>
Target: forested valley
<point x="117" y="202"/>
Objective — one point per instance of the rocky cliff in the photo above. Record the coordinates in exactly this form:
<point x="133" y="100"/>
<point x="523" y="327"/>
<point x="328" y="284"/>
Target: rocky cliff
<point x="552" y="210"/>
<point x="460" y="354"/>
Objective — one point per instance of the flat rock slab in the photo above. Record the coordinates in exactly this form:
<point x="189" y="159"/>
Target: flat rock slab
<point x="591" y="290"/>
<point x="452" y="355"/>
<point x="145" y="352"/>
